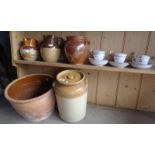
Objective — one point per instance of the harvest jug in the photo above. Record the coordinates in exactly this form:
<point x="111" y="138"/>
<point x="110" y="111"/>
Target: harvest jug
<point x="51" y="48"/>
<point x="29" y="49"/>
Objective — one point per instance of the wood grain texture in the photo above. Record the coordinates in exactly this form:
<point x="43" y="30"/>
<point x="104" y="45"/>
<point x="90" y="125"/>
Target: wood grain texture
<point x="147" y="93"/>
<point x="107" y="86"/>
<point x="128" y="89"/>
<point x="92" y="84"/>
<point x="108" y="81"/>
<point x="87" y="67"/>
<point x="94" y="38"/>
<point x="129" y="84"/>
<point x="15" y="40"/>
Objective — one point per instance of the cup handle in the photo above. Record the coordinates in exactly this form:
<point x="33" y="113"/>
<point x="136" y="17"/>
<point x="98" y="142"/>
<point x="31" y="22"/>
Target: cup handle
<point x="133" y="59"/>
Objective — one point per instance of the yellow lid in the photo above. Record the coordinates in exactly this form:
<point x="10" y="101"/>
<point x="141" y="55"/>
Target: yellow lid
<point x="70" y="77"/>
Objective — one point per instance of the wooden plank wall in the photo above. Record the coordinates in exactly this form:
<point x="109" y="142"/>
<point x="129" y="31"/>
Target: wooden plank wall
<point x="125" y="90"/>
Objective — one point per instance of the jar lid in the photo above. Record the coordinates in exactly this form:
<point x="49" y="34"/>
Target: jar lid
<point x="70" y="77"/>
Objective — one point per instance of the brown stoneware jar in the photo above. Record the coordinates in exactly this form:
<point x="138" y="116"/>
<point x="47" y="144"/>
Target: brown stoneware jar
<point x="71" y="94"/>
<point x="77" y="49"/>
<point x="32" y="96"/>
<point x="51" y="48"/>
<point x="29" y="49"/>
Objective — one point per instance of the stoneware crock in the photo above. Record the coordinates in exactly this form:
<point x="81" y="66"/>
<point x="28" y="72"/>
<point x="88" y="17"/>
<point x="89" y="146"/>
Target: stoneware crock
<point x="29" y="49"/>
<point x="51" y="48"/>
<point x="71" y="90"/>
<point x="77" y="49"/>
<point x="32" y="96"/>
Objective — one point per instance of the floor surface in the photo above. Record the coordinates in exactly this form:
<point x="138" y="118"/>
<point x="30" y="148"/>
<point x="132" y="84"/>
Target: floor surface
<point x="95" y="115"/>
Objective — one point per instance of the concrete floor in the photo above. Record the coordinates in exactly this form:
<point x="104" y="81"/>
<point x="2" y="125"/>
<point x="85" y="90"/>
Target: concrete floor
<point x="95" y="115"/>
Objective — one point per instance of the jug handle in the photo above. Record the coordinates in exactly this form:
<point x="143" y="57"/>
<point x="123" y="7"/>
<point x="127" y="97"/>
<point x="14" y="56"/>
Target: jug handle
<point x="60" y="41"/>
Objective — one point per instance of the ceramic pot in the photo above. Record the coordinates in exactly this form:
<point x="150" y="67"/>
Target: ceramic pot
<point x="29" y="49"/>
<point x="32" y="96"/>
<point x="71" y="90"/>
<point x="51" y="48"/>
<point x="77" y="49"/>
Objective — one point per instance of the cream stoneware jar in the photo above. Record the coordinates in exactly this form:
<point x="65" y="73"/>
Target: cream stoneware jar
<point x="71" y="90"/>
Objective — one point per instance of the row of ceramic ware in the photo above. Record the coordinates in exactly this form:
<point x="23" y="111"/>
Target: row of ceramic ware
<point x="76" y="50"/>
<point x="120" y="60"/>
<point x="34" y="96"/>
<point x="53" y="49"/>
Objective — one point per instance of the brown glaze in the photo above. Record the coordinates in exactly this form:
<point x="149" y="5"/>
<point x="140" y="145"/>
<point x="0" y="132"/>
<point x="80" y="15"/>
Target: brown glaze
<point x="73" y="89"/>
<point x="52" y="41"/>
<point x="77" y="49"/>
<point x="30" y="42"/>
<point x="52" y="48"/>
<point x="32" y="96"/>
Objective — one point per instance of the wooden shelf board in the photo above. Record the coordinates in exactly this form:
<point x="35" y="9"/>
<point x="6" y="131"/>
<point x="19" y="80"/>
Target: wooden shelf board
<point x="87" y="67"/>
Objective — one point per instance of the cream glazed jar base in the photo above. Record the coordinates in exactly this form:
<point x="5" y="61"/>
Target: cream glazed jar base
<point x="50" y="54"/>
<point x="72" y="110"/>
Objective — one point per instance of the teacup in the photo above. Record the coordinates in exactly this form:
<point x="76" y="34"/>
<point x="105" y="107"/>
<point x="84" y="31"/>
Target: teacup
<point x="120" y="57"/>
<point x="141" y="59"/>
<point x="98" y="55"/>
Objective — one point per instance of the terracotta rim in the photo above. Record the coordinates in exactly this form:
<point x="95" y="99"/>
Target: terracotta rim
<point x="69" y="84"/>
<point x="27" y="100"/>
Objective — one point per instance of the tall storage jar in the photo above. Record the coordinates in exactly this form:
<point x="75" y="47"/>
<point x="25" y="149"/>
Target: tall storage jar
<point x="71" y="90"/>
<point x="77" y="49"/>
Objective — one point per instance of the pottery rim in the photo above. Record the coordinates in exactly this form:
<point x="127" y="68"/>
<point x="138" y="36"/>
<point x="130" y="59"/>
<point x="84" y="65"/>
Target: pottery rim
<point x="27" y="100"/>
<point x="70" y="70"/>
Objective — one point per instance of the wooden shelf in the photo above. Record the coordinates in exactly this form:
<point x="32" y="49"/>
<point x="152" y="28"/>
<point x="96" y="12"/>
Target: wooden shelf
<point x="87" y="67"/>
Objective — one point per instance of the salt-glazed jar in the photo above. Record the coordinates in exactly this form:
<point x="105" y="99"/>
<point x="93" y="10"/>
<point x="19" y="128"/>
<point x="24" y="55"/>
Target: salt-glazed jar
<point x="77" y="49"/>
<point x="29" y="49"/>
<point x="51" y="48"/>
<point x="71" y="90"/>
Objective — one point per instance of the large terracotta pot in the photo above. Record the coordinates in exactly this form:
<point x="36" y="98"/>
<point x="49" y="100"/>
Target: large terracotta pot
<point x="51" y="48"/>
<point x="77" y="49"/>
<point x="71" y="93"/>
<point x="32" y="96"/>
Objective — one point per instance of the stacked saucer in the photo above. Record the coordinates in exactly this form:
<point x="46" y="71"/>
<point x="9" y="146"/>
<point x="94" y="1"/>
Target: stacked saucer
<point x="97" y="58"/>
<point x="119" y="60"/>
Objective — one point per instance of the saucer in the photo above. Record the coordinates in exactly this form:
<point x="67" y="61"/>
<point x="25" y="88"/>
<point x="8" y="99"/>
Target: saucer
<point x="98" y="62"/>
<point x="120" y="65"/>
<point x="141" y="66"/>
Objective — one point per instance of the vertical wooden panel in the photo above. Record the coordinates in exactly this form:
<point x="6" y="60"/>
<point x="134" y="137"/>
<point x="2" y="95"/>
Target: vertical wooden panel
<point x="147" y="93"/>
<point x="108" y="81"/>
<point x="15" y="39"/>
<point x="106" y="89"/>
<point x="129" y="84"/>
<point x="95" y="40"/>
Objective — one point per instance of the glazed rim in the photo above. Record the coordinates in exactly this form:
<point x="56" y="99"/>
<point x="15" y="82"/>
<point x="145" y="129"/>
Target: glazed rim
<point x="27" y="100"/>
<point x="76" y="38"/>
<point x="70" y="70"/>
